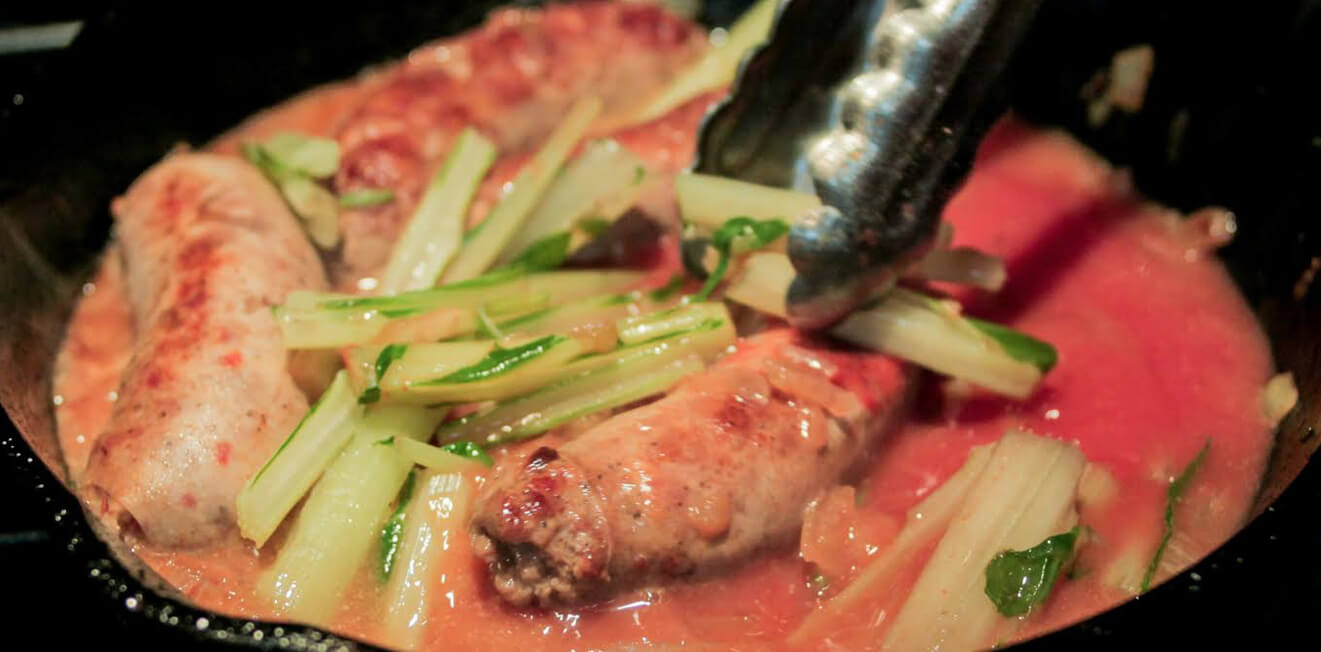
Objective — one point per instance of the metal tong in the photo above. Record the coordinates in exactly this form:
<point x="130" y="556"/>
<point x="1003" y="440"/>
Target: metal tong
<point x="879" y="106"/>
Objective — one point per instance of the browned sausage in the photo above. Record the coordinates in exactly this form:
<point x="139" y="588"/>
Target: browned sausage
<point x="695" y="482"/>
<point x="512" y="79"/>
<point x="208" y="247"/>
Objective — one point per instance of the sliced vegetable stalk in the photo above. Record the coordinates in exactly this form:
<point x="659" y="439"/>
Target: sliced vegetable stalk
<point x="318" y="208"/>
<point x="963" y="266"/>
<point x="315" y="321"/>
<point x="917" y="328"/>
<point x="280" y="483"/>
<point x="552" y="359"/>
<point x="366" y="198"/>
<point x="430" y="553"/>
<point x="925" y="522"/>
<point x="424" y="360"/>
<point x="736" y="237"/>
<point x="628" y="380"/>
<point x="762" y="282"/>
<point x="513" y="210"/>
<point x="340" y="519"/>
<point x="602" y="183"/>
<point x="314" y="157"/>
<point x="716" y="69"/>
<point x="288" y="166"/>
<point x="502" y="374"/>
<point x="375" y="369"/>
<point x="580" y="314"/>
<point x="710" y="201"/>
<point x="452" y="457"/>
<point x="914" y="327"/>
<point x="392" y="530"/>
<point x="435" y="230"/>
<point x="650" y="326"/>
<point x="1026" y="494"/>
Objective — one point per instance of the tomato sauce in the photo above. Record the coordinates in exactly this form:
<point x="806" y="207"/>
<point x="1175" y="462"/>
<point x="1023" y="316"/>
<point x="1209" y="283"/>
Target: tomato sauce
<point x="1159" y="355"/>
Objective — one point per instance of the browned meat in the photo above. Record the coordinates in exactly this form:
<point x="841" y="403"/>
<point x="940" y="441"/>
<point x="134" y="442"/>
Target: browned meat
<point x="715" y="471"/>
<point x="513" y="79"/>
<point x="208" y="246"/>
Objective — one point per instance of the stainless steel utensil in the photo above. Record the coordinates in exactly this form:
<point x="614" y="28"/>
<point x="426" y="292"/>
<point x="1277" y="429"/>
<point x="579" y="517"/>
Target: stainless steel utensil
<point x="881" y="120"/>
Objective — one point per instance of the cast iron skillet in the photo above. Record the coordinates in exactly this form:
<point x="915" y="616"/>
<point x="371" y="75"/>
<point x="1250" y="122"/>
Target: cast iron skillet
<point x="76" y="126"/>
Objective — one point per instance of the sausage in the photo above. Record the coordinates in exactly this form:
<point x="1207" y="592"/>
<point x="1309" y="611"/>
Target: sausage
<point x="512" y="79"/>
<point x="208" y="246"/>
<point x="694" y="483"/>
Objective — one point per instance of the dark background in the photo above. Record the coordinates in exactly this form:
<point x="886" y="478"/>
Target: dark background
<point x="136" y="81"/>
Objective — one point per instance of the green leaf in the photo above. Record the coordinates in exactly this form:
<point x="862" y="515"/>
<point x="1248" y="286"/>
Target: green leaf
<point x="743" y="234"/>
<point x="393" y="530"/>
<point x="366" y="197"/>
<point x="1018" y="580"/>
<point x="386" y="357"/>
<point x="502" y="361"/>
<point x="544" y="254"/>
<point x="713" y="279"/>
<point x="1172" y="496"/>
<point x="1018" y="345"/>
<point x="469" y="450"/>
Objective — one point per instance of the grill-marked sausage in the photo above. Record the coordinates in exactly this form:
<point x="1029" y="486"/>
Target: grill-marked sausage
<point x="512" y="79"/>
<point x="696" y="482"/>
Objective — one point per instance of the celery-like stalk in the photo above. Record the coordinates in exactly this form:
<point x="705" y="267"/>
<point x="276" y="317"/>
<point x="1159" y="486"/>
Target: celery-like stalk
<point x="711" y="201"/>
<point x="437" y="458"/>
<point x="1025" y="495"/>
<point x="502" y="374"/>
<point x="315" y="157"/>
<point x="337" y="525"/>
<point x="716" y="69"/>
<point x="555" y="362"/>
<point x="762" y="282"/>
<point x="513" y="210"/>
<point x="646" y="327"/>
<point x="436" y="228"/>
<point x="431" y="360"/>
<point x="908" y="325"/>
<point x="601" y="183"/>
<point x="366" y="198"/>
<point x="575" y="314"/>
<point x="314" y="321"/>
<point x="963" y="266"/>
<point x="273" y="491"/>
<point x="317" y="206"/>
<point x="419" y="360"/>
<point x="629" y="379"/>
<point x="925" y="522"/>
<point x="312" y="203"/>
<point x="435" y="519"/>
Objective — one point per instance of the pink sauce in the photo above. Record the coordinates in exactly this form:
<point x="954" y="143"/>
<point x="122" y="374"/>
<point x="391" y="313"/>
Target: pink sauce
<point x="1158" y="355"/>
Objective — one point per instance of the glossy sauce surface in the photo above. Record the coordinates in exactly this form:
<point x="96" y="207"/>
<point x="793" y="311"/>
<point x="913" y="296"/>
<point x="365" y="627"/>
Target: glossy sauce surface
<point x="1158" y="355"/>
